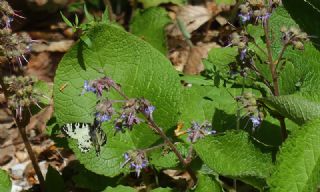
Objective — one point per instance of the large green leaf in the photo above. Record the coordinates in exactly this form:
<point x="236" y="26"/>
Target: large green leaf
<point x="310" y="9"/>
<point x="141" y="71"/>
<point x="233" y="155"/>
<point x="152" y="3"/>
<point x="149" y="25"/>
<point x="298" y="163"/>
<point x="296" y="108"/>
<point x="5" y="182"/>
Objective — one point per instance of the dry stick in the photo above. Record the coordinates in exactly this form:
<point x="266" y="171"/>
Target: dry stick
<point x="21" y="127"/>
<point x="274" y="74"/>
<point x="165" y="138"/>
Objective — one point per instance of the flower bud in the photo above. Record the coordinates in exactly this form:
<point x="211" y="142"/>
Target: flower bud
<point x="295" y="31"/>
<point x="283" y="29"/>
<point x="241" y="45"/>
<point x="298" y="45"/>
<point x="29" y="89"/>
<point x="20" y="92"/>
<point x="257" y="13"/>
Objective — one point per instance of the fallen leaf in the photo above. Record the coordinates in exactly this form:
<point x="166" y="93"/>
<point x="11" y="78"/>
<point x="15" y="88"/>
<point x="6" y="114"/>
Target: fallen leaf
<point x="189" y="60"/>
<point x="192" y="16"/>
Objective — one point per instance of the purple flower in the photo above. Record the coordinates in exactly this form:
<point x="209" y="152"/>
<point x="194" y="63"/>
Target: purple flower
<point x="243" y="54"/>
<point x="197" y="131"/>
<point x="244" y="17"/>
<point x="256" y="122"/>
<point x="136" y="159"/>
<point x="149" y="110"/>
<point x="102" y="117"/>
<point x="87" y="87"/>
<point x="104" y="110"/>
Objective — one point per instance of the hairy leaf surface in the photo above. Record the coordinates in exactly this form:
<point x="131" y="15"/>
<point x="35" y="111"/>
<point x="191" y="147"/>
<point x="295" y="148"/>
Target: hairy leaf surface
<point x="232" y="154"/>
<point x="298" y="162"/>
<point x="149" y="25"/>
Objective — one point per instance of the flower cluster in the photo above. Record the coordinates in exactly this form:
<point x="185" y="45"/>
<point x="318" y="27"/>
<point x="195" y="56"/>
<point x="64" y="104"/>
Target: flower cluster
<point x="256" y="9"/>
<point x="14" y="46"/>
<point x="104" y="111"/>
<point x="22" y="93"/>
<point x="136" y="159"/>
<point x="196" y="131"/>
<point x="252" y="109"/>
<point x="97" y="86"/>
<point x="294" y="36"/>
<point x="129" y="113"/>
<point x="128" y="116"/>
<point x="240" y="40"/>
<point x="7" y="14"/>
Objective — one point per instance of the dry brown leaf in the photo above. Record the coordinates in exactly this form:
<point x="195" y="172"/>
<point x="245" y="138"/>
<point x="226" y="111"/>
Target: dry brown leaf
<point x="192" y="16"/>
<point x="189" y="60"/>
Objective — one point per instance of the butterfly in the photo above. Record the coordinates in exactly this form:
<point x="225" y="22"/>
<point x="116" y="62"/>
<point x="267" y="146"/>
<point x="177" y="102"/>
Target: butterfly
<point x="87" y="135"/>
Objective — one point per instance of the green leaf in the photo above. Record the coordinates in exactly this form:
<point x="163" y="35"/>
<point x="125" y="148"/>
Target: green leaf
<point x="310" y="9"/>
<point x="120" y="188"/>
<point x="207" y="183"/>
<point x="66" y="20"/>
<point x="88" y="16"/>
<point x="54" y="181"/>
<point x="5" y="182"/>
<point x="220" y="58"/>
<point x="95" y="183"/>
<point x="296" y="108"/>
<point x="114" y="53"/>
<point x="233" y="155"/>
<point x="226" y="2"/>
<point x="167" y="189"/>
<point x="153" y="3"/>
<point x="149" y="25"/>
<point x="298" y="162"/>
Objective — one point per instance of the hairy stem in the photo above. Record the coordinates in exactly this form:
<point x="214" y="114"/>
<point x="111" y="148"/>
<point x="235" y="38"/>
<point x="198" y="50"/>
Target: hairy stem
<point x="21" y="124"/>
<point x="272" y="65"/>
<point x="274" y="74"/>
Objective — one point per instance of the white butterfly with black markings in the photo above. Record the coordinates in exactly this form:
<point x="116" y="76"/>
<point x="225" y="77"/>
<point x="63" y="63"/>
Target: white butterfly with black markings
<point x="87" y="135"/>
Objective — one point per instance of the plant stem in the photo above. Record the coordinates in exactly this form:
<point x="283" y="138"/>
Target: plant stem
<point x="272" y="65"/>
<point x="274" y="74"/>
<point x="281" y="54"/>
<point x="22" y="130"/>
